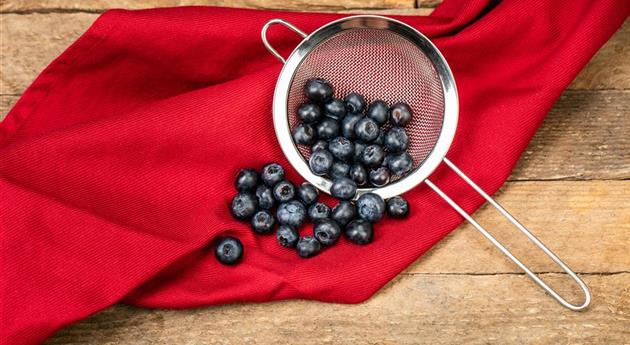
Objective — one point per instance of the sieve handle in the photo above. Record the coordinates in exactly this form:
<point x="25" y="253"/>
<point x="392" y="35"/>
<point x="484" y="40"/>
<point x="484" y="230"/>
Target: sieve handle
<point x="263" y="35"/>
<point x="524" y="230"/>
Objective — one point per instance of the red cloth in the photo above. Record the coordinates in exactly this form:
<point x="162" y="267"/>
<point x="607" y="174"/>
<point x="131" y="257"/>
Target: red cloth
<point x="117" y="164"/>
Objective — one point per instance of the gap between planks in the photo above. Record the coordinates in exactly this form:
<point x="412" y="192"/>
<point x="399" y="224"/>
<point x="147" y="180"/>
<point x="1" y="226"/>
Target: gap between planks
<point x="91" y="6"/>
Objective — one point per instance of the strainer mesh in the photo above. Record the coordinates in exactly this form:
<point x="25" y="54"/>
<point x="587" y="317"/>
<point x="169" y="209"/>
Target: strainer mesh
<point x="379" y="64"/>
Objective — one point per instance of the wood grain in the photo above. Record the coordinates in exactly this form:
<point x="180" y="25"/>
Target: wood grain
<point x="585" y="223"/>
<point x="30" y="42"/>
<point x="586" y="136"/>
<point x="414" y="309"/>
<point x="300" y="5"/>
<point x="571" y="187"/>
<point x="6" y="102"/>
<point x="36" y="39"/>
<point x="610" y="67"/>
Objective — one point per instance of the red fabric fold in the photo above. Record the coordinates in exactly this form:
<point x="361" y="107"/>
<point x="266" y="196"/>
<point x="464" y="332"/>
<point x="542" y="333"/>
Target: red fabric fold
<point x="117" y="164"/>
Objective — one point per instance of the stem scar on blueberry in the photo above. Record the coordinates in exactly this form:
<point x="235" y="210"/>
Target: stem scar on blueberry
<point x="229" y="250"/>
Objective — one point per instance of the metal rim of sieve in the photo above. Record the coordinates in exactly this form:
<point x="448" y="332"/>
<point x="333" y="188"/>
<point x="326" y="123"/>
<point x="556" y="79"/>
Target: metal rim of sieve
<point x="292" y="64"/>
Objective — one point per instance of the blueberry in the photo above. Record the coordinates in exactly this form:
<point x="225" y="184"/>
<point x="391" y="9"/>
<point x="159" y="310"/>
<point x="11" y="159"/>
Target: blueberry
<point x="284" y="191"/>
<point x="339" y="169"/>
<point x="246" y="180"/>
<point x="347" y="125"/>
<point x="291" y="213"/>
<point x="372" y="156"/>
<point x="343" y="213"/>
<point x="335" y="108"/>
<point x="318" y="211"/>
<point x="341" y="148"/>
<point x="327" y="232"/>
<point x="358" y="174"/>
<point x="396" y="140"/>
<point x="378" y="111"/>
<point x="366" y="129"/>
<point x="355" y="103"/>
<point x="397" y="207"/>
<point x="327" y="129"/>
<point x="320" y="162"/>
<point x="308" y="246"/>
<point x="370" y="207"/>
<point x="380" y="176"/>
<point x="244" y="205"/>
<point x="309" y="112"/>
<point x="400" y="164"/>
<point x="272" y="173"/>
<point x="304" y="134"/>
<point x="265" y="198"/>
<point x="359" y="231"/>
<point x="229" y="251"/>
<point x="343" y="188"/>
<point x="262" y="222"/>
<point x="399" y="114"/>
<point x="287" y="236"/>
<point x="318" y="90"/>
<point x="358" y="151"/>
<point x="307" y="193"/>
<point x="319" y="145"/>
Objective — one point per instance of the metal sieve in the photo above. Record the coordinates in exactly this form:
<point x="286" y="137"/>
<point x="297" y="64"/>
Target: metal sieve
<point x="382" y="58"/>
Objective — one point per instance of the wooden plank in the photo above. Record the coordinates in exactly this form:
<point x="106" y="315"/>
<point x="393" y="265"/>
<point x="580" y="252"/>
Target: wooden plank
<point x="415" y="309"/>
<point x="30" y="42"/>
<point x="427" y="3"/>
<point x="300" y="5"/>
<point x="6" y="102"/>
<point x="586" y="136"/>
<point x="587" y="224"/>
<point x="423" y="11"/>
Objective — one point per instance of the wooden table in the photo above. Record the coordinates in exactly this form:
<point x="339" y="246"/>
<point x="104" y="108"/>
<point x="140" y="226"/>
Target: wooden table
<point x="571" y="187"/>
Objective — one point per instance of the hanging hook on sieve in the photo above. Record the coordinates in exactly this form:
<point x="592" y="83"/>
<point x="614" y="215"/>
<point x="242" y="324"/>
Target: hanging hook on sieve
<point x="504" y="250"/>
<point x="263" y="35"/>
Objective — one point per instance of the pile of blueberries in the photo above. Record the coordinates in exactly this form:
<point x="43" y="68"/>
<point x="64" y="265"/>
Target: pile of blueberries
<point x="259" y="194"/>
<point x="348" y="138"/>
<point x="350" y="145"/>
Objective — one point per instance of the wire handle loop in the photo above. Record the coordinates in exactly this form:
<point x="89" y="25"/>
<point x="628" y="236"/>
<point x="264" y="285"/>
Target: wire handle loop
<point x="505" y="251"/>
<point x="263" y="35"/>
